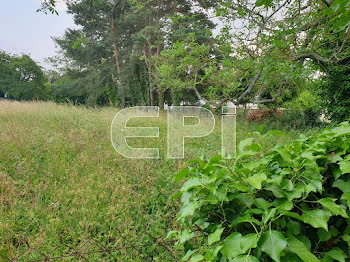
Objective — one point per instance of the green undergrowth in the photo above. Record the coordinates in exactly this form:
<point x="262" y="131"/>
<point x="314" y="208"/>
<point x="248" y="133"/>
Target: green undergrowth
<point x="288" y="203"/>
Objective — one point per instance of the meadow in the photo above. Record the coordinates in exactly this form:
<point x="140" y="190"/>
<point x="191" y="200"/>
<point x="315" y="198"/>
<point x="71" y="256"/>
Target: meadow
<point x="64" y="190"/>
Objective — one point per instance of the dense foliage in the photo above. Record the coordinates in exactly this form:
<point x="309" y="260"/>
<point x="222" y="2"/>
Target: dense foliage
<point x="21" y="78"/>
<point x="115" y="45"/>
<point x="291" y="203"/>
<point x="336" y="93"/>
<point x="263" y="52"/>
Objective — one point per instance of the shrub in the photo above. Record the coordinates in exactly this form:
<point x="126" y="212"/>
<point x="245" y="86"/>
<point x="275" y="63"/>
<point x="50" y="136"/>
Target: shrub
<point x="296" y="119"/>
<point x="335" y="91"/>
<point x="288" y="204"/>
<point x="259" y="115"/>
<point x="304" y="111"/>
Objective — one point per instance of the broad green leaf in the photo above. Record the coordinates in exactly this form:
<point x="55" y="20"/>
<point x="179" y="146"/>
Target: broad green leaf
<point x="244" y="143"/>
<point x="287" y="185"/>
<point x="294" y="227"/>
<point x="273" y="243"/>
<point x="256" y="180"/>
<point x="291" y="257"/>
<point x="345" y="166"/>
<point x="188" y="254"/>
<point x="316" y="218"/>
<point x="263" y="2"/>
<point x="260" y="129"/>
<point x="330" y="204"/>
<point x="314" y="186"/>
<point x="334" y="232"/>
<point x="232" y="246"/>
<point x="285" y="154"/>
<point x="292" y="214"/>
<point x="296" y="193"/>
<point x="268" y="214"/>
<point x="259" y="2"/>
<point x="342" y="185"/>
<point x="301" y="250"/>
<point x="212" y="253"/>
<point x="185" y="236"/>
<point x="337" y="254"/>
<point x="283" y="204"/>
<point x="188" y="210"/>
<point x="323" y="235"/>
<point x="215" y="237"/>
<point x="336" y="172"/>
<point x="186" y="197"/>
<point x="254" y="147"/>
<point x="276" y="190"/>
<point x="197" y="258"/>
<point x="171" y="233"/>
<point x="346" y="238"/>
<point x="306" y="241"/>
<point x="246" y="154"/>
<point x="246" y="199"/>
<point x="191" y="183"/>
<point x="255" y="211"/>
<point x="346" y="196"/>
<point x="248" y="242"/>
<point x="175" y="196"/>
<point x="246" y="218"/>
<point x="181" y="175"/>
<point x="262" y="203"/>
<point x="245" y="259"/>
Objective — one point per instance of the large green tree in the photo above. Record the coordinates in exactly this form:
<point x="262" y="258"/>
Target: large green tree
<point x="21" y="78"/>
<point x="287" y="42"/>
<point x="125" y="36"/>
<point x="267" y="52"/>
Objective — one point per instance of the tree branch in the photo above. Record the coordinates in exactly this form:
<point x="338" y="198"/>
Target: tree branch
<point x="199" y="95"/>
<point x="279" y="93"/>
<point x="251" y="86"/>
<point x="313" y="56"/>
<point x="328" y="3"/>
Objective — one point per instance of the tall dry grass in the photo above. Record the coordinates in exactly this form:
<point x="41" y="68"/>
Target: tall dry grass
<point x="61" y="179"/>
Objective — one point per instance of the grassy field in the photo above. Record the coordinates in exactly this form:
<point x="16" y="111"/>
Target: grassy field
<point x="62" y="184"/>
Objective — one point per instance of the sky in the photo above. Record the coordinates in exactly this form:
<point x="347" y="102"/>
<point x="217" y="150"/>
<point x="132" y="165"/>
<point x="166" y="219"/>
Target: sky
<point x="24" y="31"/>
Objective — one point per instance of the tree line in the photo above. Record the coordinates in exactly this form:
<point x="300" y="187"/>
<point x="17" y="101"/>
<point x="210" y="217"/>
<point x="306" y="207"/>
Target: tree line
<point x="150" y="52"/>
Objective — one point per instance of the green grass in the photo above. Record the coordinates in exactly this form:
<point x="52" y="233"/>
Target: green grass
<point x="61" y="183"/>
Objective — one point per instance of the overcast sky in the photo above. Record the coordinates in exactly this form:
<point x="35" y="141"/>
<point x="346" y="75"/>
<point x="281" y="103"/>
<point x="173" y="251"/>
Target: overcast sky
<point x="23" y="30"/>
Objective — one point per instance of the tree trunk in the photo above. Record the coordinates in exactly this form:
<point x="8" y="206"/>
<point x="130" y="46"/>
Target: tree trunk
<point x="158" y="19"/>
<point x="175" y="6"/>
<point x="121" y="93"/>
<point x="150" y="88"/>
<point x="161" y="100"/>
<point x="123" y="99"/>
<point x="115" y="46"/>
<point x="116" y="55"/>
<point x="172" y="97"/>
<point x="151" y="96"/>
<point x="251" y="86"/>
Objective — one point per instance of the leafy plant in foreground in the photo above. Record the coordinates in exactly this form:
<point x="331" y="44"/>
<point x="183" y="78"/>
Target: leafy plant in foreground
<point x="291" y="203"/>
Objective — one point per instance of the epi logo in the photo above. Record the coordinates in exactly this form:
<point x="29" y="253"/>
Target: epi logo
<point x="177" y="130"/>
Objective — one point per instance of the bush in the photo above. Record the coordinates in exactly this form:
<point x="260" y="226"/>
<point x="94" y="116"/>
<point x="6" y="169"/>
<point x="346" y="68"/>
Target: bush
<point x="336" y="92"/>
<point x="296" y="119"/>
<point x="305" y="110"/>
<point x="289" y="204"/>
